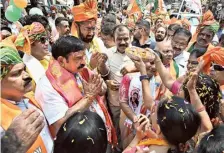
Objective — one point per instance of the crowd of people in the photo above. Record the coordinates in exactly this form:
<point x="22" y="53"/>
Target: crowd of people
<point x="69" y="84"/>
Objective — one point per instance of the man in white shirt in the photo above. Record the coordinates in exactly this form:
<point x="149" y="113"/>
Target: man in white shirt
<point x="180" y="41"/>
<point x="69" y="87"/>
<point x="116" y="62"/>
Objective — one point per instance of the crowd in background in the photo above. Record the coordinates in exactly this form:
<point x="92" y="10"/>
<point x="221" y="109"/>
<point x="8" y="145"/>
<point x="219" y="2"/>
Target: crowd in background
<point x="91" y="81"/>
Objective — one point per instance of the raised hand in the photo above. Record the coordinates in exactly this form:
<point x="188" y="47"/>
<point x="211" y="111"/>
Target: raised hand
<point x="94" y="85"/>
<point x="191" y="84"/>
<point x="143" y="125"/>
<point x="200" y="66"/>
<point x="27" y="126"/>
<point x="94" y="60"/>
<point x="102" y="59"/>
<point x="139" y="64"/>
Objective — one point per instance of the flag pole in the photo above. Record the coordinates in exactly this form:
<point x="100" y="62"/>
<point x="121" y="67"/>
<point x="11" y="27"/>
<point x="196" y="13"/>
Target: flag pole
<point x="180" y="9"/>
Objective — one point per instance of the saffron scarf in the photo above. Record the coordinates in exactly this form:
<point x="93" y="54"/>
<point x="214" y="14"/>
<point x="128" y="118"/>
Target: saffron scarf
<point x="215" y="55"/>
<point x="10" y="111"/>
<point x="28" y="35"/>
<point x="162" y="90"/>
<point x="148" y="142"/>
<point x="154" y="141"/>
<point x="174" y="69"/>
<point x="66" y="85"/>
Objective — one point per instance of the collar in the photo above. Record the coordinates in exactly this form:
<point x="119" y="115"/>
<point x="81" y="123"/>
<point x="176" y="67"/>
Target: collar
<point x="114" y="50"/>
<point x="148" y="41"/>
<point x="14" y="102"/>
<point x="180" y="55"/>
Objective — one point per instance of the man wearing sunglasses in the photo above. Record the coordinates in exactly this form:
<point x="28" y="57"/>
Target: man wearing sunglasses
<point x="33" y="42"/>
<point x="217" y="72"/>
<point x="212" y="62"/>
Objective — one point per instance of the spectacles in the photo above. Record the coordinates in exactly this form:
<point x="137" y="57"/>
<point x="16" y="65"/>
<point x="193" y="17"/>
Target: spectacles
<point x="43" y="40"/>
<point x="179" y="44"/>
<point x="193" y="62"/>
<point x="218" y="68"/>
<point x="90" y="28"/>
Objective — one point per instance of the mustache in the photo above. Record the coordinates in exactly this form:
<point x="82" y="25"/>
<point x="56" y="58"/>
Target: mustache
<point x="123" y="45"/>
<point x="203" y="40"/>
<point x="27" y="81"/>
<point x="81" y="66"/>
<point x="175" y="48"/>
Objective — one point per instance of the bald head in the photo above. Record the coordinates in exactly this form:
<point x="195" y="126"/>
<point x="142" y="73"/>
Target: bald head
<point x="164" y="45"/>
<point x="167" y="51"/>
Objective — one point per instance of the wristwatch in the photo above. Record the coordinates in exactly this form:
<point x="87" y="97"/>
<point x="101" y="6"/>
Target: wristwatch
<point x="143" y="77"/>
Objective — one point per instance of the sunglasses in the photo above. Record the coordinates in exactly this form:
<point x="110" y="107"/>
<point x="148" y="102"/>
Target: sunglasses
<point x="43" y="40"/>
<point x="218" y="68"/>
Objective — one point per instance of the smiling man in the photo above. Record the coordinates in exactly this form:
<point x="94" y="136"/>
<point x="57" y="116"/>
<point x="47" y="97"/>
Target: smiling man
<point x="118" y="60"/>
<point x="19" y="106"/>
<point x="131" y="89"/>
<point x="179" y="42"/>
<point x="204" y="38"/>
<point x="69" y="87"/>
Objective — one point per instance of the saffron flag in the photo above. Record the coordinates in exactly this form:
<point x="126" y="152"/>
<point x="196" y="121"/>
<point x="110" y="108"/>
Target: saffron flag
<point x="159" y="6"/>
<point x="135" y="9"/>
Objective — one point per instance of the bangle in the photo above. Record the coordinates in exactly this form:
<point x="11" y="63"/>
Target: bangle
<point x="90" y="98"/>
<point x="201" y="109"/>
<point x="144" y="77"/>
<point x="105" y="74"/>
